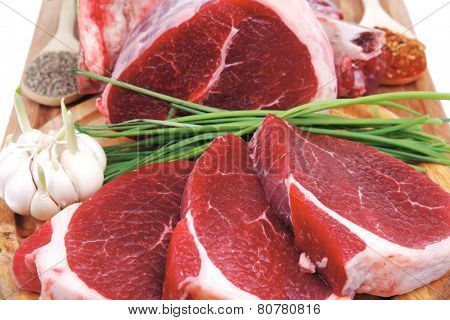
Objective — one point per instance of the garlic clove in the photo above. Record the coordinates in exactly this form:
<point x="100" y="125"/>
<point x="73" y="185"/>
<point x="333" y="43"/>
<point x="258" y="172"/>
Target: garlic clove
<point x="84" y="171"/>
<point x="43" y="207"/>
<point x="29" y="138"/>
<point x="95" y="147"/>
<point x="45" y="141"/>
<point x="10" y="159"/>
<point x="80" y="164"/>
<point x="7" y="150"/>
<point x="41" y="157"/>
<point x="20" y="189"/>
<point x="59" y="185"/>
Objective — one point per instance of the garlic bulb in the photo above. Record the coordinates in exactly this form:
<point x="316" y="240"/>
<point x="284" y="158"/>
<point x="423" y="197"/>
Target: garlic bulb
<point x="43" y="173"/>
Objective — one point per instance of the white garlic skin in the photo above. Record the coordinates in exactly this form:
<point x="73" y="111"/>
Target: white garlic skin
<point x="95" y="147"/>
<point x="29" y="138"/>
<point x="59" y="185"/>
<point x="42" y="158"/>
<point x="10" y="159"/>
<point x="20" y="189"/>
<point x="84" y="171"/>
<point x="42" y="207"/>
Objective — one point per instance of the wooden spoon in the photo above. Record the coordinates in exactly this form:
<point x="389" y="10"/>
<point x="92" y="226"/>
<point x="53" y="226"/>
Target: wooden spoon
<point x="63" y="40"/>
<point x="376" y="16"/>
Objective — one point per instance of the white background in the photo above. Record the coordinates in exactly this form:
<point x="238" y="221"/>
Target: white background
<point x="16" y="34"/>
<point x="111" y="310"/>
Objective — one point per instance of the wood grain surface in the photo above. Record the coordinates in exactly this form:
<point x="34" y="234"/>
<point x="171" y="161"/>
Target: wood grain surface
<point x="14" y="228"/>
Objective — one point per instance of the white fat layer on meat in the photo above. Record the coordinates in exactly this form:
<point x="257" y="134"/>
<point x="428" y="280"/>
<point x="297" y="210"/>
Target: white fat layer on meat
<point x="92" y="49"/>
<point x="90" y="35"/>
<point x="114" y="36"/>
<point x="164" y="17"/>
<point x="301" y="20"/>
<point x="210" y="282"/>
<point x="222" y="65"/>
<point x="306" y="264"/>
<point x="58" y="281"/>
<point x="323" y="263"/>
<point x="121" y="16"/>
<point x="335" y="297"/>
<point x="342" y="34"/>
<point x="385" y="268"/>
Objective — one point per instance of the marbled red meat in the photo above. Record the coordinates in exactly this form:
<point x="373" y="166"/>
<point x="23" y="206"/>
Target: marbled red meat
<point x="232" y="54"/>
<point x="360" y="215"/>
<point x="24" y="272"/>
<point x="112" y="246"/>
<point x="103" y="28"/>
<point x="231" y="245"/>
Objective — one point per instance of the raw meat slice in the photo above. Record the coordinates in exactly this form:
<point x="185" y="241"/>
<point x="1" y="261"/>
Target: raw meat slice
<point x="103" y="29"/>
<point x="24" y="272"/>
<point x="231" y="54"/>
<point x="359" y="53"/>
<point x="112" y="246"/>
<point x="360" y="215"/>
<point x="231" y="245"/>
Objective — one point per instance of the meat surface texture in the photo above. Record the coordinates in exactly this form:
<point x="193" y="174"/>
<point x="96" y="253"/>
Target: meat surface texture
<point x="103" y="29"/>
<point x="24" y="270"/>
<point x="113" y="246"/>
<point x="230" y="244"/>
<point x="231" y="54"/>
<point x="359" y="54"/>
<point x="369" y="222"/>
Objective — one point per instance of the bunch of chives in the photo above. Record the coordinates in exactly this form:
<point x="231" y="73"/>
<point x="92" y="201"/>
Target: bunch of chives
<point x="188" y="136"/>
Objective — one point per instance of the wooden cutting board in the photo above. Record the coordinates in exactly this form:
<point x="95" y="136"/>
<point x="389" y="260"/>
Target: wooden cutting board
<point x="14" y="228"/>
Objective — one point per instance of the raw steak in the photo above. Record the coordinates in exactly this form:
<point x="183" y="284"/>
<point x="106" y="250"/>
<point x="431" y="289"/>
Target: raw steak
<point x="113" y="246"/>
<point x="103" y="29"/>
<point x="231" y="245"/>
<point x="231" y="54"/>
<point x="359" y="53"/>
<point x="369" y="222"/>
<point x="25" y="270"/>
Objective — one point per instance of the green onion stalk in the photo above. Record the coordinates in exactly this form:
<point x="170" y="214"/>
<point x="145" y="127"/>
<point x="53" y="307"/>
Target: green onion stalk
<point x="188" y="136"/>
